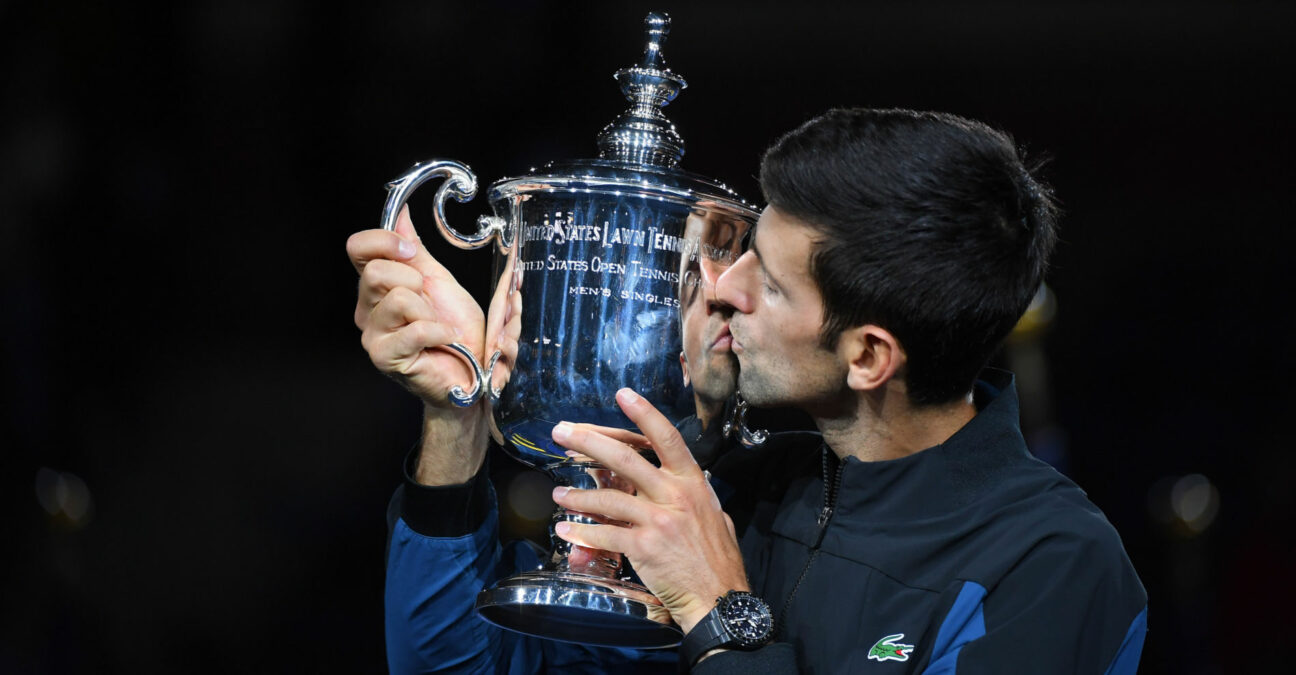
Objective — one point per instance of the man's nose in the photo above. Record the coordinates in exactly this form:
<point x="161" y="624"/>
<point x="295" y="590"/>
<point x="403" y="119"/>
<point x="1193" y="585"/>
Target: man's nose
<point x="715" y="305"/>
<point x="731" y="287"/>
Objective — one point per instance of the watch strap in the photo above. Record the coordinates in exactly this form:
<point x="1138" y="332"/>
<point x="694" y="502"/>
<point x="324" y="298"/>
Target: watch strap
<point x="708" y="634"/>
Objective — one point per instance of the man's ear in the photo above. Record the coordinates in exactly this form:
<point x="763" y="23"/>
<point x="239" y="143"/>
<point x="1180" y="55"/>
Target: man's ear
<point x="684" y="368"/>
<point x="873" y="356"/>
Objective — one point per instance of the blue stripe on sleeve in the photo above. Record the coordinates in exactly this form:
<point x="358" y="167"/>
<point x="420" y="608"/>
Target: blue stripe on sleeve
<point x="964" y="623"/>
<point x="1127" y="658"/>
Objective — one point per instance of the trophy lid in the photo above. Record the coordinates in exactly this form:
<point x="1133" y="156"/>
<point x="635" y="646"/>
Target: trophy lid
<point x="640" y="150"/>
<point x="642" y="134"/>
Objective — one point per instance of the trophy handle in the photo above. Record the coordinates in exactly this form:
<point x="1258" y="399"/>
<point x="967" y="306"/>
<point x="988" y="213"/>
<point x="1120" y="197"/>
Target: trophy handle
<point x="748" y="437"/>
<point x="461" y="184"/>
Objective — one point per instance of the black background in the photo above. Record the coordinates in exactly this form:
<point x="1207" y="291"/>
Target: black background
<point x="177" y="182"/>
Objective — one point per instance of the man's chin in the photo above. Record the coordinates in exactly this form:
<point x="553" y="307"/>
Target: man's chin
<point x="718" y="394"/>
<point x="754" y="392"/>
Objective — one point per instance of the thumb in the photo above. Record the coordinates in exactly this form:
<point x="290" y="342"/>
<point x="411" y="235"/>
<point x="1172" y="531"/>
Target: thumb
<point x="405" y="226"/>
<point x="422" y="260"/>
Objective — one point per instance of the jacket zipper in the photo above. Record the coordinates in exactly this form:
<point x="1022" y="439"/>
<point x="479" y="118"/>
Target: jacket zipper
<point x="825" y="514"/>
<point x="829" y="496"/>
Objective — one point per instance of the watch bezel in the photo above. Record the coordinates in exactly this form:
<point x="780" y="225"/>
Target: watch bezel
<point x="736" y="610"/>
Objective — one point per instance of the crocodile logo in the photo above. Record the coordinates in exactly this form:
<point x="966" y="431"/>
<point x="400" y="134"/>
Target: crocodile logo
<point x="887" y="649"/>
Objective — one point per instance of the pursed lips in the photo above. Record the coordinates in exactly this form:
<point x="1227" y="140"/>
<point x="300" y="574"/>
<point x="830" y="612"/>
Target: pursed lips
<point x="735" y="344"/>
<point x="724" y="340"/>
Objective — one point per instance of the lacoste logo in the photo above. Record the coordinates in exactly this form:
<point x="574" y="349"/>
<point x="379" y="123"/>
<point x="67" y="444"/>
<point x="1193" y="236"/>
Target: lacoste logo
<point x="887" y="649"/>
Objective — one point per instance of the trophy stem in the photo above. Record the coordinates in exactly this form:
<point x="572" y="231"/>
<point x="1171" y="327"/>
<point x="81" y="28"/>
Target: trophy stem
<point x="569" y="558"/>
<point x="581" y="594"/>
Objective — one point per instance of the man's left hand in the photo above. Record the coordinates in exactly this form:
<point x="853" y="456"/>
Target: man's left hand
<point x="681" y="543"/>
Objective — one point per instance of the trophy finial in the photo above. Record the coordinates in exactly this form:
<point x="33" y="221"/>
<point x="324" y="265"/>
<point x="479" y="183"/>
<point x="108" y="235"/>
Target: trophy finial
<point x="642" y="134"/>
<point x="657" y="25"/>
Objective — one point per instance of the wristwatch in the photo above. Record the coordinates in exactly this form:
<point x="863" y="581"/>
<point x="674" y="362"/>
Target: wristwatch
<point x="739" y="620"/>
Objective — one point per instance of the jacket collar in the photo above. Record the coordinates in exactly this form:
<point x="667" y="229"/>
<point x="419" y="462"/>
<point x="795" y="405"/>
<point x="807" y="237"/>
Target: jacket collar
<point x="947" y="476"/>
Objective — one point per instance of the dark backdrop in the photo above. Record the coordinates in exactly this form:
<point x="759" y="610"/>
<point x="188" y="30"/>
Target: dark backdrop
<point x="198" y="454"/>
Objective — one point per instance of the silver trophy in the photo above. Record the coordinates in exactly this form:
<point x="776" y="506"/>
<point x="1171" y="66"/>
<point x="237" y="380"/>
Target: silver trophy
<point x="598" y="265"/>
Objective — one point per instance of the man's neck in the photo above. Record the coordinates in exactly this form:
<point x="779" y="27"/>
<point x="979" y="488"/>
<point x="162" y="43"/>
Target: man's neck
<point x="886" y="426"/>
<point x="707" y="410"/>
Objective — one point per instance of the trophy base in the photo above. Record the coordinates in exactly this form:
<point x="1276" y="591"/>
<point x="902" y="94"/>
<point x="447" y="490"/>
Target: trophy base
<point x="579" y="608"/>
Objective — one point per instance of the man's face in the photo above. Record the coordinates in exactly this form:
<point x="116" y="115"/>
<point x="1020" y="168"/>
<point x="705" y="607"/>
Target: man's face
<point x="778" y="312"/>
<point x="708" y="362"/>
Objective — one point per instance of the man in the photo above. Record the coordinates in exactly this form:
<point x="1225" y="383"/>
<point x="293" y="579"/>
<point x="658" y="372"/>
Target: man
<point x="898" y="250"/>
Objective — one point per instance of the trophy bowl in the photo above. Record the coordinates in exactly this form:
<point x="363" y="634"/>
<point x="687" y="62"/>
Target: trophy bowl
<point x="597" y="264"/>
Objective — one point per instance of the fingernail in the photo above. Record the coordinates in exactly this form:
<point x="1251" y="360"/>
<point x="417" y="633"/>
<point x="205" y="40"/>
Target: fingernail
<point x="562" y="432"/>
<point x="562" y="528"/>
<point x="405" y="249"/>
<point x="627" y="396"/>
<point x="560" y="492"/>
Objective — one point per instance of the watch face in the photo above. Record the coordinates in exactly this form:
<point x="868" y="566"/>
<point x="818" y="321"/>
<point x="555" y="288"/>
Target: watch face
<point x="747" y="618"/>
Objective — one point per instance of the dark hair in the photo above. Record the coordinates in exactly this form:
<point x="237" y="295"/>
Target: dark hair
<point x="929" y="225"/>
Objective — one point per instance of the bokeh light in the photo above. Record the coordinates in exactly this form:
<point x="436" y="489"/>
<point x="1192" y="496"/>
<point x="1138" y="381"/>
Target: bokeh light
<point x="65" y="497"/>
<point x="530" y="496"/>
<point x="1184" y="505"/>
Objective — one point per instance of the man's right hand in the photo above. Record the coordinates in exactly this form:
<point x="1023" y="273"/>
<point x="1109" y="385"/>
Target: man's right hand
<point x="408" y="307"/>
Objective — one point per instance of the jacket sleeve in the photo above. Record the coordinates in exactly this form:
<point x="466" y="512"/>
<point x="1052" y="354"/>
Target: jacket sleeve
<point x="444" y="549"/>
<point x="1073" y="604"/>
<point x="778" y="658"/>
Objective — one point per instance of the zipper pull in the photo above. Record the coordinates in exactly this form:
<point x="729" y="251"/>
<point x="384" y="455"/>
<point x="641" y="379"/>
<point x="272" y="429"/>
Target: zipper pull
<point x="824" y="514"/>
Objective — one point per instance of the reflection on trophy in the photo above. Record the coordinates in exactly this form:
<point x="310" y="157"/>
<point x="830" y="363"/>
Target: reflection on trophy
<point x="595" y="260"/>
<point x="709" y="367"/>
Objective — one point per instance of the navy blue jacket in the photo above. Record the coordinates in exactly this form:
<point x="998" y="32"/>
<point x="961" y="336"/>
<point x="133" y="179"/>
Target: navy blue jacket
<point x="968" y="557"/>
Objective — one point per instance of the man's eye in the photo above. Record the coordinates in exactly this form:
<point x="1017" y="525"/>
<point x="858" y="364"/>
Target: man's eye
<point x="725" y="238"/>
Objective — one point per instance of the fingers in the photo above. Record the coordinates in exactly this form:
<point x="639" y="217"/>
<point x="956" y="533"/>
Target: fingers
<point x="626" y="436"/>
<point x="611" y="453"/>
<point x="499" y="322"/>
<point x="421" y="260"/>
<point x="400" y="327"/>
<point x="666" y="440"/>
<point x="397" y="351"/>
<point x="507" y="342"/>
<point x="609" y="503"/>
<point x="379" y="278"/>
<point x="369" y="245"/>
<point x="402" y="245"/>
<point x="399" y="307"/>
<point x="604" y="537"/>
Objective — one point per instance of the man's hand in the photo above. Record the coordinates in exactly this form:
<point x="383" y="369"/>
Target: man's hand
<point x="408" y="307"/>
<point x="681" y="543"/>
